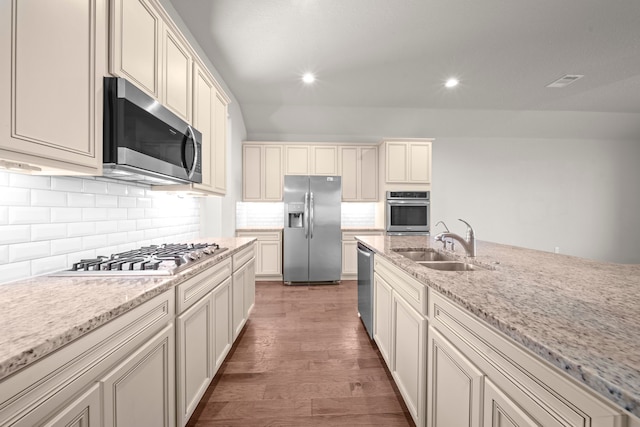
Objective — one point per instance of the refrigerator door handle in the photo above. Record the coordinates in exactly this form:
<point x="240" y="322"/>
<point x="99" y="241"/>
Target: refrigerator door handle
<point x="311" y="219"/>
<point x="306" y="215"/>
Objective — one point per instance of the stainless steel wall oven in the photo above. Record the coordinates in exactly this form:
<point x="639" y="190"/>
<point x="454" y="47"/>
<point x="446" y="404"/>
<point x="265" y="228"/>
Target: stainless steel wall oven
<point x="408" y="212"/>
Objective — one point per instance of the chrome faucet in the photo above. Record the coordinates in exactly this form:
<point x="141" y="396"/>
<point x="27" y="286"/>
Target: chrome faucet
<point x="468" y="243"/>
<point x="444" y="242"/>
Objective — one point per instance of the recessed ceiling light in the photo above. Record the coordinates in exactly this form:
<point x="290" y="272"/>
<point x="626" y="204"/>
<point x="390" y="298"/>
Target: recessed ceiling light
<point x="566" y="80"/>
<point x="308" y="78"/>
<point x="451" y="82"/>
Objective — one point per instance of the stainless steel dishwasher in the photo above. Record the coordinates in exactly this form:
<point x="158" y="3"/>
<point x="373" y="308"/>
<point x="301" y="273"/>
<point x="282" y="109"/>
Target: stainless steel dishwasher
<point x="365" y="287"/>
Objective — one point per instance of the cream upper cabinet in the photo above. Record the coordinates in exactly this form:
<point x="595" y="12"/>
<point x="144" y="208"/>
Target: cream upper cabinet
<point x="408" y="162"/>
<point x="358" y="166"/>
<point x="324" y="160"/>
<point x="51" y="85"/>
<point x="203" y="117"/>
<point x="136" y="43"/>
<point x="296" y="159"/>
<point x="219" y="161"/>
<point x="176" y="74"/>
<point x="262" y="173"/>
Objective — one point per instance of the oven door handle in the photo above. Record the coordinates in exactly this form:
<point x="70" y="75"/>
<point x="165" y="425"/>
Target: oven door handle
<point x="192" y="136"/>
<point x="408" y="202"/>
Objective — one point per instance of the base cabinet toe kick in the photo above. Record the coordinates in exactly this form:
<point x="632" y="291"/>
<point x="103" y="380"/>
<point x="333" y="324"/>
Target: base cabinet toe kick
<point x="147" y="367"/>
<point x="454" y="370"/>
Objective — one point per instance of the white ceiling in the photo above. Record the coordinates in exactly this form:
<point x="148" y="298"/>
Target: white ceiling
<point x="396" y="54"/>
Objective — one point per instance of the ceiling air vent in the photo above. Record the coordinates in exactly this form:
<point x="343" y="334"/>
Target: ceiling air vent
<point x="565" y="80"/>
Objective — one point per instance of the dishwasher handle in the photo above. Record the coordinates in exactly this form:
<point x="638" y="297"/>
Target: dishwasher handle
<point x="364" y="252"/>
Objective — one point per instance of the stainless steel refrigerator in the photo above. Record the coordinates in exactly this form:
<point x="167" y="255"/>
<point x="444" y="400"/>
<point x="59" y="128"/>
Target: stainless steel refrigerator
<point x="312" y="235"/>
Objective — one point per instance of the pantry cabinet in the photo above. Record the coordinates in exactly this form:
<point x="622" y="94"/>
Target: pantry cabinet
<point x="262" y="172"/>
<point x="358" y="166"/>
<point x="268" y="263"/>
<point x="51" y="116"/>
<point x="407" y="162"/>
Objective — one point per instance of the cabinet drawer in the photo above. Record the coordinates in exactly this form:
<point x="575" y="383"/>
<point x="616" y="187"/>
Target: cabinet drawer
<point x="242" y="257"/>
<point x="543" y="391"/>
<point x="192" y="290"/>
<point x="351" y="235"/>
<point x="414" y="292"/>
<point x="260" y="235"/>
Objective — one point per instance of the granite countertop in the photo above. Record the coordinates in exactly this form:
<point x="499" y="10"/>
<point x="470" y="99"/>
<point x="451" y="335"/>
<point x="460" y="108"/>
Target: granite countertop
<point x="36" y="317"/>
<point x="355" y="228"/>
<point x="581" y="316"/>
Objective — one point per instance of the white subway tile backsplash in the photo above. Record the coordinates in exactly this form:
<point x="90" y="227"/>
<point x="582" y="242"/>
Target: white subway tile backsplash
<point x="66" y="214"/>
<point x="116" y="213"/>
<point x="15" y="196"/>
<point x="81" y="229"/>
<point x="94" y="242"/>
<point x="29" y="181"/>
<point x="48" y="232"/>
<point x="48" y="198"/>
<point x="65" y="246"/>
<point x="104" y="227"/>
<point x="116" y="189"/>
<point x="28" y="251"/>
<point x="94" y="214"/>
<point x="29" y="215"/>
<point x="81" y="200"/>
<point x="15" y="271"/>
<point x="48" y="265"/>
<point x="126" y="202"/>
<point x="10" y="234"/>
<point x="94" y="187"/>
<point x="103" y="201"/>
<point x="66" y="184"/>
<point x="116" y="238"/>
<point x="48" y="223"/>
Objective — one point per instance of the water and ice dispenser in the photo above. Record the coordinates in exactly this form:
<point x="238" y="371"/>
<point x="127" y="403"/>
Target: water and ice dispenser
<point x="295" y="215"/>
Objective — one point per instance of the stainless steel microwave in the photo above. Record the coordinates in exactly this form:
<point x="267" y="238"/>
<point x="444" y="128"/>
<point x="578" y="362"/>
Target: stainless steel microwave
<point x="408" y="212"/>
<point x="144" y="141"/>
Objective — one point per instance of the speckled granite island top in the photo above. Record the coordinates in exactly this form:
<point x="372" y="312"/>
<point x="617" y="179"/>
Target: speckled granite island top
<point x="580" y="315"/>
<point x="42" y="314"/>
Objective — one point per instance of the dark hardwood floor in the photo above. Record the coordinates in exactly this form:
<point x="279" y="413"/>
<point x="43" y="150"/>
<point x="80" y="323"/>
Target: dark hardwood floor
<point x="303" y="359"/>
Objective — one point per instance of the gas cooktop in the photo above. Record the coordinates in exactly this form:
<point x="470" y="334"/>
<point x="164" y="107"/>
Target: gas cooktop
<point x="165" y="259"/>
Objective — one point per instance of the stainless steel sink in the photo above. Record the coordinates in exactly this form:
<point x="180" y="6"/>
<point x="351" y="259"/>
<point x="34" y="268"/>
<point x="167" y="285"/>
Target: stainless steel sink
<point x="426" y="255"/>
<point x="449" y="265"/>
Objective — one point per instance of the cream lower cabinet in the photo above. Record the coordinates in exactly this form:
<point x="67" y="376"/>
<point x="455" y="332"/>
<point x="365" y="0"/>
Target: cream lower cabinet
<point x="140" y="391"/>
<point x="475" y="370"/>
<point x="83" y="412"/>
<point x="400" y="330"/>
<point x="350" y="252"/>
<point x="268" y="264"/>
<point x="52" y="62"/>
<point x="243" y="288"/>
<point x="222" y="332"/>
<point x="455" y="396"/>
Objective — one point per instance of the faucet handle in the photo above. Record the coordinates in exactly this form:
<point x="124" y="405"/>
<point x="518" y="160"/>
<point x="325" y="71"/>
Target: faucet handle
<point x="470" y="232"/>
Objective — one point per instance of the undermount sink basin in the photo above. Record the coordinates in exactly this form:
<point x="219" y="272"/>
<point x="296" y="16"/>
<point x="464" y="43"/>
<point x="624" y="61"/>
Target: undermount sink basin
<point x="427" y="255"/>
<point x="449" y="265"/>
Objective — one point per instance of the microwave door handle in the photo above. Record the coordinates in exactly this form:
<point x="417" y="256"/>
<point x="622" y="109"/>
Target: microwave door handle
<point x="192" y="137"/>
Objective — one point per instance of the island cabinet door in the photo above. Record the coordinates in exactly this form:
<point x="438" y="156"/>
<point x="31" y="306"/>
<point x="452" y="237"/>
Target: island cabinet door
<point x="500" y="411"/>
<point x="454" y="387"/>
<point x="408" y="337"/>
<point x="223" y="332"/>
<point x="83" y="412"/>
<point x="382" y="317"/>
<point x="140" y="390"/>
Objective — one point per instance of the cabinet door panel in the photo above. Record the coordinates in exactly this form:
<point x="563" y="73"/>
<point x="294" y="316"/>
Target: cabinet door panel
<point x="368" y="173"/>
<point x="408" y="360"/>
<point x="396" y="162"/>
<point x="83" y="412"/>
<point x="273" y="173"/>
<point x="135" y="47"/>
<point x="223" y="334"/>
<point x="349" y="172"/>
<point x="382" y="317"/>
<point x="419" y="155"/>
<point x="252" y="172"/>
<point x="500" y="411"/>
<point x="349" y="258"/>
<point x="237" y="295"/>
<point x="177" y="75"/>
<point x="139" y="392"/>
<point x="249" y="287"/>
<point x="455" y="393"/>
<point x="203" y="92"/>
<point x="220" y="144"/>
<point x="194" y="354"/>
<point x="325" y="160"/>
<point x="296" y="160"/>
<point x="269" y="258"/>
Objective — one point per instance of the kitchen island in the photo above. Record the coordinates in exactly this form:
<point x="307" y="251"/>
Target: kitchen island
<point x="580" y="316"/>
